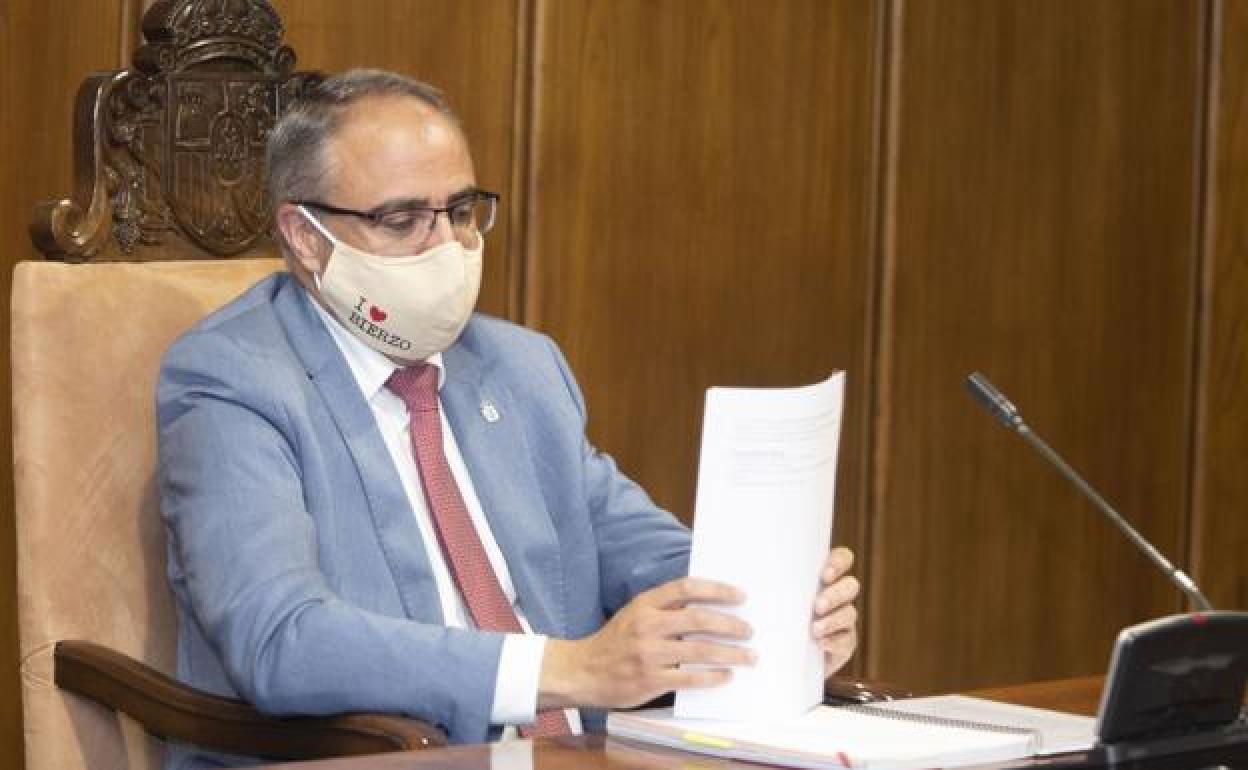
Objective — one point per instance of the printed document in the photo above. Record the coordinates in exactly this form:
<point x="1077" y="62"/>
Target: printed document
<point x="942" y="731"/>
<point x="763" y="522"/>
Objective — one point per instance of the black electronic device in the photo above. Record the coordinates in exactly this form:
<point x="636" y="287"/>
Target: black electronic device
<point x="1175" y="684"/>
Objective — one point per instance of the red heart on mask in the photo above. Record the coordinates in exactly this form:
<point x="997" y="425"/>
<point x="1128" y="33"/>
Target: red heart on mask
<point x="376" y="313"/>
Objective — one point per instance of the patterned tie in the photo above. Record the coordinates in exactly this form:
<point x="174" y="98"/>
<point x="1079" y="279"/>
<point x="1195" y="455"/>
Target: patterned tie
<point x="417" y="386"/>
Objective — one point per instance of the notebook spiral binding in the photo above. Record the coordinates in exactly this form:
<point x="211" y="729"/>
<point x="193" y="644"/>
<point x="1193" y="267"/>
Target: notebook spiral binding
<point x="924" y="719"/>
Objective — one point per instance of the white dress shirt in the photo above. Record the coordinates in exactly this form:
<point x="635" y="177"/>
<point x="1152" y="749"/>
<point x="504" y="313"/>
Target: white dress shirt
<point x="520" y="664"/>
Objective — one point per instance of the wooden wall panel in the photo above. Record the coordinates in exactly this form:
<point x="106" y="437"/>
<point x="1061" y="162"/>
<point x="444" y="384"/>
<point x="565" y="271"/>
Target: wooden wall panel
<point x="692" y="196"/>
<point x="701" y="214"/>
<point x="1043" y="231"/>
<point x="1220" y="526"/>
<point x="46" y="48"/>
<point x="469" y="50"/>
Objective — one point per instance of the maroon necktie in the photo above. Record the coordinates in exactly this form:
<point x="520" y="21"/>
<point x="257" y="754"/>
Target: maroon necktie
<point x="417" y="386"/>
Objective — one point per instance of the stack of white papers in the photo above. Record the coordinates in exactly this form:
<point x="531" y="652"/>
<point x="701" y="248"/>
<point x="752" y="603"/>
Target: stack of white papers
<point x="763" y="522"/>
<point x="918" y="733"/>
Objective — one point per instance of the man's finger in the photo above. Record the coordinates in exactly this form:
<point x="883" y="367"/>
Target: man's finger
<point x="837" y="651"/>
<point x="705" y="620"/>
<point x="704" y="652"/>
<point x="839" y="562"/>
<point x="694" y="678"/>
<point x="837" y="594"/>
<point x="840" y="620"/>
<point x="678" y="593"/>
<point x="840" y="645"/>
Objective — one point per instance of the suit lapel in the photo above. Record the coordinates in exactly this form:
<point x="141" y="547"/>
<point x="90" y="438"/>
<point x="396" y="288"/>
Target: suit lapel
<point x="388" y="506"/>
<point x="484" y="416"/>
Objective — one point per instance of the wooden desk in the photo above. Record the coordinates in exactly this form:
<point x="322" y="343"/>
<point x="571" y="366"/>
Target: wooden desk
<point x="1080" y="696"/>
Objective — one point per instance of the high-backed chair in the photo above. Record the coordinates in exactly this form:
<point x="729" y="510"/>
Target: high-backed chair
<point x="169" y="179"/>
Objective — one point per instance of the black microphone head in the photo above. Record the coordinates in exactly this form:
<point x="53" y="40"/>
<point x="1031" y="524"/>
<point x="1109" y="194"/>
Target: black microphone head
<point x="994" y="401"/>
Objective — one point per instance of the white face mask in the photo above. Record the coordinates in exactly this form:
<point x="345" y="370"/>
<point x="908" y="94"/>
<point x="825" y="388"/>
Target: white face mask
<point x="405" y="307"/>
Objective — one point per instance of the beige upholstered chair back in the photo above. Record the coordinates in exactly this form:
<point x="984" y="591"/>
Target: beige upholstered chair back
<point x="169" y="174"/>
<point x="86" y="347"/>
<point x="169" y="177"/>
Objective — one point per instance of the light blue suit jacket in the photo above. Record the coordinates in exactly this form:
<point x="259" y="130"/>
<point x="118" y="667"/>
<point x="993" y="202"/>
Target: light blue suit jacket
<point x="298" y="571"/>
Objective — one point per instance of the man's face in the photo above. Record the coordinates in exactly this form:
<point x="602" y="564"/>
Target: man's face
<point x="389" y="152"/>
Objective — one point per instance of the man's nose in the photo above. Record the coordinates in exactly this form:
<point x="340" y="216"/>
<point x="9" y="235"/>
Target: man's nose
<point x="442" y="230"/>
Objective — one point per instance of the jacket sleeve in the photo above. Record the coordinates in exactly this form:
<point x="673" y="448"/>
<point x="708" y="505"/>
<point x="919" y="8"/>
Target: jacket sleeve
<point x="640" y="545"/>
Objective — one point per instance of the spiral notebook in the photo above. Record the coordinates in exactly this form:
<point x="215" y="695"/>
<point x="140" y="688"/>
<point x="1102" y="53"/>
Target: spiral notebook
<point x="943" y="731"/>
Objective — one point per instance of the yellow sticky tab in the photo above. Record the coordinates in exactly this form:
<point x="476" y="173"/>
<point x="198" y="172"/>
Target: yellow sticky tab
<point x="707" y="740"/>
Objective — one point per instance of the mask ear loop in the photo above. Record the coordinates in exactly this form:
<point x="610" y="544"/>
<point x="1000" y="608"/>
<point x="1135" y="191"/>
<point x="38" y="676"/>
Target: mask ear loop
<point x="316" y="277"/>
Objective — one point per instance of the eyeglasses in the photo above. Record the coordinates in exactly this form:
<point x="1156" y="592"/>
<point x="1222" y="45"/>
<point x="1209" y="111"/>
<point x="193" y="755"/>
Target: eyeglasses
<point x="472" y="214"/>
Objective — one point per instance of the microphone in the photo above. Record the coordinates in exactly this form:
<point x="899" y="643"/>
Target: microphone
<point x="996" y="404"/>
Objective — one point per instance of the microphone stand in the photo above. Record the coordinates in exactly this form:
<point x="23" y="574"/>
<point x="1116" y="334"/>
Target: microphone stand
<point x="1008" y="415"/>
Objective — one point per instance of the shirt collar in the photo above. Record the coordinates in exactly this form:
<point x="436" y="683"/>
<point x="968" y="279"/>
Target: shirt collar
<point x="370" y="368"/>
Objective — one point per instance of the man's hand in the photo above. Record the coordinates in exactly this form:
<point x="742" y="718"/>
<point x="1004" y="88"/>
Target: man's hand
<point x="836" y="618"/>
<point x="636" y="656"/>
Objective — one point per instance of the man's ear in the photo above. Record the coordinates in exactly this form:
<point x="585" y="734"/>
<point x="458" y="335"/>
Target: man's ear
<point x="305" y="243"/>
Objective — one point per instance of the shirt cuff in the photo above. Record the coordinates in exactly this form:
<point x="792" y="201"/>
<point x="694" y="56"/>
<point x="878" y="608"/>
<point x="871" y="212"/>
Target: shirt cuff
<point x="519" y="672"/>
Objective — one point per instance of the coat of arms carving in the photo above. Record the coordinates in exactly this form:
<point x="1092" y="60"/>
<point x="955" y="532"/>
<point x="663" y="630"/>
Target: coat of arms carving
<point x="171" y="151"/>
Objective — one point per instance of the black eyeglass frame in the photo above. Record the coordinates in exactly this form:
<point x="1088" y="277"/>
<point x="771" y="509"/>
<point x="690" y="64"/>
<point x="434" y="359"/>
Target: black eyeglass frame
<point x="374" y="216"/>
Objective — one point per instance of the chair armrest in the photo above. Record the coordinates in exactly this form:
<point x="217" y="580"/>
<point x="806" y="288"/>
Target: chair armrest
<point x="169" y="709"/>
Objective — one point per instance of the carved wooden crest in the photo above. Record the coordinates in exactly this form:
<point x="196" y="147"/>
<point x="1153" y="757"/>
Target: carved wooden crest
<point x="169" y="155"/>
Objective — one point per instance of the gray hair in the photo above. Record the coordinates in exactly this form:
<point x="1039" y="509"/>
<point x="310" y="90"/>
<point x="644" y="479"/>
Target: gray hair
<point x="297" y="144"/>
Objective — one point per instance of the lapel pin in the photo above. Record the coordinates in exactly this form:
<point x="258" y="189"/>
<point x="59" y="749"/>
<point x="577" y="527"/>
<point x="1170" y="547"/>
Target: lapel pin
<point x="489" y="411"/>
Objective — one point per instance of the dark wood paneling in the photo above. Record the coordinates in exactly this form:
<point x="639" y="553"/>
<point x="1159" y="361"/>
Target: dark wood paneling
<point x="1220" y="526"/>
<point x="693" y="201"/>
<point x="467" y="48"/>
<point x="47" y="47"/>
<point x="701" y="215"/>
<point x="1043" y="231"/>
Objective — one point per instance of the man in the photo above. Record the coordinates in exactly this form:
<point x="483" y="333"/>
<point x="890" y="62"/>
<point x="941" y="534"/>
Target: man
<point x="378" y="501"/>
